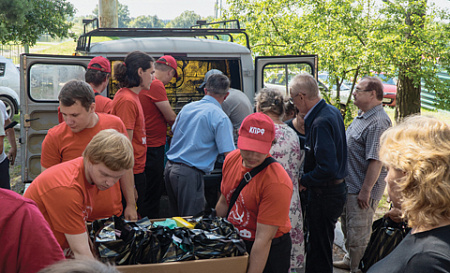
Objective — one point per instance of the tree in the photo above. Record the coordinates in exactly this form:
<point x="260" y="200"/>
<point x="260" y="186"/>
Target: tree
<point x="338" y="31"/>
<point x="184" y="20"/>
<point x="414" y="41"/>
<point x="25" y="21"/>
<point x="353" y="38"/>
<point x="147" y="22"/>
<point x="123" y="14"/>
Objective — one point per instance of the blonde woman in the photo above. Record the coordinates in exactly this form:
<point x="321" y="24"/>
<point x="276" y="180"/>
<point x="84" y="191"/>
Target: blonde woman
<point x="287" y="151"/>
<point x="417" y="155"/>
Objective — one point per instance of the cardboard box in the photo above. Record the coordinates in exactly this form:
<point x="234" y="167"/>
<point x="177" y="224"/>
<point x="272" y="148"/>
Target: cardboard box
<point x="219" y="265"/>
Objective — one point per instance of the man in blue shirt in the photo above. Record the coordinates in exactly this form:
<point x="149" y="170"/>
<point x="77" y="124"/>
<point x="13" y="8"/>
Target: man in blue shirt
<point x="201" y="131"/>
<point x="324" y="171"/>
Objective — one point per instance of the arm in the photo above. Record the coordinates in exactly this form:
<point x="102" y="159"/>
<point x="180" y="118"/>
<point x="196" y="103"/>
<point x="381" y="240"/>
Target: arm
<point x="127" y="186"/>
<point x="372" y="174"/>
<point x="325" y="154"/>
<point x="165" y="108"/>
<point x="221" y="206"/>
<point x="130" y="135"/>
<point x="261" y="247"/>
<point x="79" y="245"/>
<point x="11" y="135"/>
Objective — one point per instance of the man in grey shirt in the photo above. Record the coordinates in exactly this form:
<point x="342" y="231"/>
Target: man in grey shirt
<point x="237" y="106"/>
<point x="365" y="178"/>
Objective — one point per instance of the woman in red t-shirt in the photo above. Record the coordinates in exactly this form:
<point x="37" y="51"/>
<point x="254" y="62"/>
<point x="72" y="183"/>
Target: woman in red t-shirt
<point x="261" y="211"/>
<point x="134" y="74"/>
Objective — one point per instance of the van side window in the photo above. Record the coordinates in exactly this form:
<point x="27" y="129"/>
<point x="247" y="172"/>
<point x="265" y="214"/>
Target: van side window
<point x="46" y="80"/>
<point x="279" y="76"/>
<point x="2" y="69"/>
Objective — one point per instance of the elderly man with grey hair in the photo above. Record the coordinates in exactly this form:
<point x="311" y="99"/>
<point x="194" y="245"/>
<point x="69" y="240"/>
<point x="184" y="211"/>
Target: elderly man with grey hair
<point x="324" y="171"/>
<point x="201" y="131"/>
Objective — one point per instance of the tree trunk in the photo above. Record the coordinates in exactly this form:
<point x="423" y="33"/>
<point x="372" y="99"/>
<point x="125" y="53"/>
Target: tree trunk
<point x="408" y="97"/>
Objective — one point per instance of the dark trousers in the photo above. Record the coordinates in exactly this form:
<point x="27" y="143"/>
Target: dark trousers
<point x="154" y="175"/>
<point x="185" y="189"/>
<point x="325" y="205"/>
<point x="4" y="174"/>
<point x="140" y="184"/>
<point x="279" y="257"/>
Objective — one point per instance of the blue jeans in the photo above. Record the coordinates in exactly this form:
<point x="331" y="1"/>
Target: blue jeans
<point x="324" y="206"/>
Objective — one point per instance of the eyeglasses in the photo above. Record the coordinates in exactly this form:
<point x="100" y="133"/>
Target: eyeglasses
<point x="357" y="90"/>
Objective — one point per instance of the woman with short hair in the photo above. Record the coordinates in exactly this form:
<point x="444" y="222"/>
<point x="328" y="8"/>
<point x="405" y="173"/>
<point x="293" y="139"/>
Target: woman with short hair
<point x="287" y="152"/>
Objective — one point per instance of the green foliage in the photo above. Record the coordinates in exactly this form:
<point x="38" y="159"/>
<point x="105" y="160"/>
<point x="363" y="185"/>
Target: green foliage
<point x="184" y="20"/>
<point x="146" y="22"/>
<point x="406" y="38"/>
<point x="25" y="21"/>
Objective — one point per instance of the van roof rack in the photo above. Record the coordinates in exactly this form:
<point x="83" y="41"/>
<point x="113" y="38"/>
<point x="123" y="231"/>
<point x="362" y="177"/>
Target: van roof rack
<point x="199" y="30"/>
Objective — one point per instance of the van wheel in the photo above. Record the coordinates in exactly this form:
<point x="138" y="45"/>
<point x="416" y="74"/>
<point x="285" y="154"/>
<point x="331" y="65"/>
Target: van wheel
<point x="10" y="106"/>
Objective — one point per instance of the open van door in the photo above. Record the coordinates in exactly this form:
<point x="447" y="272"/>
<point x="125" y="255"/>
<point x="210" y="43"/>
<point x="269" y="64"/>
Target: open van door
<point x="278" y="71"/>
<point x="41" y="79"/>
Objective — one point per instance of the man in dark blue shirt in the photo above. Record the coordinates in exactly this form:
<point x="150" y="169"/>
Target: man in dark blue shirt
<point x="324" y="171"/>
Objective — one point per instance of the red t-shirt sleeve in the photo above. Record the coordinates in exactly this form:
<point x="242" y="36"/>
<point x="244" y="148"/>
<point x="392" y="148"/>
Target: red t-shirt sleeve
<point x="275" y="197"/>
<point x="108" y="107"/>
<point x="157" y="92"/>
<point x="39" y="247"/>
<point x="65" y="216"/>
<point x="50" y="154"/>
<point x="127" y="111"/>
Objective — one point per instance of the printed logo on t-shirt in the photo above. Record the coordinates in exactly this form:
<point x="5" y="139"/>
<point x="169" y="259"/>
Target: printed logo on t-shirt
<point x="239" y="213"/>
<point x="245" y="233"/>
<point x="256" y="131"/>
<point x="144" y="140"/>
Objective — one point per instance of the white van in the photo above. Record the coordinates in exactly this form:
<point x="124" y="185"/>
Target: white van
<point x="43" y="75"/>
<point x="9" y="86"/>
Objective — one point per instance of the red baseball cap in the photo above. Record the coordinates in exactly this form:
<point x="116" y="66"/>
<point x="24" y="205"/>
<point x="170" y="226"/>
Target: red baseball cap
<point x="169" y="61"/>
<point x="104" y="64"/>
<point x="257" y="133"/>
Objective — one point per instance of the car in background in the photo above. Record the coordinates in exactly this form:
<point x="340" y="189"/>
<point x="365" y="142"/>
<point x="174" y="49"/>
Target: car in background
<point x="9" y="86"/>
<point x="389" y="89"/>
<point x="330" y="90"/>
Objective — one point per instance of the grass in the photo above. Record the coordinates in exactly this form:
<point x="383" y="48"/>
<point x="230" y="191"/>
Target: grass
<point x="64" y="48"/>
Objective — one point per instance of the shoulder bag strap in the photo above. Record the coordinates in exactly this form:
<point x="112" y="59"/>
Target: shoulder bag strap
<point x="247" y="177"/>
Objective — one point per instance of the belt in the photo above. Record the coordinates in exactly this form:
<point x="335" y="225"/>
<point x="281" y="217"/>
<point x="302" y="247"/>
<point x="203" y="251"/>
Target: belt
<point x="192" y="167"/>
<point x="334" y="182"/>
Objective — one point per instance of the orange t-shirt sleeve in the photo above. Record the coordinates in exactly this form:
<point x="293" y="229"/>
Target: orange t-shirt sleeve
<point x="50" y="154"/>
<point x="157" y="92"/>
<point x="65" y="210"/>
<point x="108" y="107"/>
<point x="276" y="198"/>
<point x="127" y="111"/>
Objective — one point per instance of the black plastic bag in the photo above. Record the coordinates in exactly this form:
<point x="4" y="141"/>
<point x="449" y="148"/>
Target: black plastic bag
<point x="215" y="237"/>
<point x="386" y="235"/>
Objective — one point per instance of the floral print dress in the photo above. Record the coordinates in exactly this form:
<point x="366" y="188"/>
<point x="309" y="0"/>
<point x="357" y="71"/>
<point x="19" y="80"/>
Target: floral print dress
<point x="287" y="152"/>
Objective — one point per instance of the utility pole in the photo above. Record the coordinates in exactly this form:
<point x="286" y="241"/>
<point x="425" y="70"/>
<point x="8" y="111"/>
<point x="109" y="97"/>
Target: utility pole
<point x="108" y="13"/>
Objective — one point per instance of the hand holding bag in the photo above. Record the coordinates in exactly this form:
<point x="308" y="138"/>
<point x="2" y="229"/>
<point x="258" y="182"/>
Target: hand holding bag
<point x="386" y="235"/>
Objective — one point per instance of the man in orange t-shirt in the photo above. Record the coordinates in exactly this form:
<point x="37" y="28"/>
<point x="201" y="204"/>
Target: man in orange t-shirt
<point x="158" y="113"/>
<point x="68" y="140"/>
<point x="97" y="75"/>
<point x="66" y="193"/>
<point x="261" y="211"/>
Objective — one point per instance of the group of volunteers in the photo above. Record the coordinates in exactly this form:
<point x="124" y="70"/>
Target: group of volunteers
<point x="284" y="187"/>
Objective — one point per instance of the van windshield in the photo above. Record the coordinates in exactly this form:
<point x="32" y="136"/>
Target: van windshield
<point x="191" y="72"/>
